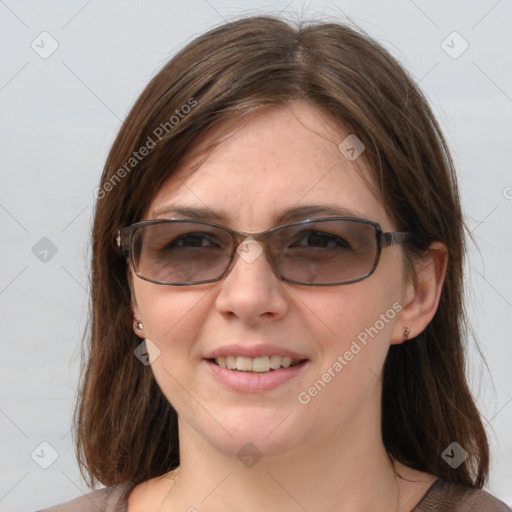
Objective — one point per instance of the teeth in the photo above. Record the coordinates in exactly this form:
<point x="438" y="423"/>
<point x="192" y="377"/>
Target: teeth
<point x="275" y="362"/>
<point x="256" y="364"/>
<point x="244" y="363"/>
<point x="260" y="364"/>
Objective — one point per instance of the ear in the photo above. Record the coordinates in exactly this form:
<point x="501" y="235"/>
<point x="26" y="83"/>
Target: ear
<point x="421" y="298"/>
<point x="137" y="317"/>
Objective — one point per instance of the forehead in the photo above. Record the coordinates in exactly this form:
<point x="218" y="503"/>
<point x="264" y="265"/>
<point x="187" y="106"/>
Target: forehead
<point x="282" y="158"/>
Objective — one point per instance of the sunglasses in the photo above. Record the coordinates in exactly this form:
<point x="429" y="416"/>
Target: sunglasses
<point x="313" y="252"/>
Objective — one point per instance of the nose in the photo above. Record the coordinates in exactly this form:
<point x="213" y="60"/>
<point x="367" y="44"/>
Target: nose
<point x="251" y="290"/>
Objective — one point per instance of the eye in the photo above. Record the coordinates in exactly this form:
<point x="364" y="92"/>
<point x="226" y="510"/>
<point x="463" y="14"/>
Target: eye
<point x="194" y="240"/>
<point x="320" y="240"/>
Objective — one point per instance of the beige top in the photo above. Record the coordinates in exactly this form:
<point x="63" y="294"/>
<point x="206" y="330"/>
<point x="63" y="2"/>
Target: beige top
<point x="442" y="496"/>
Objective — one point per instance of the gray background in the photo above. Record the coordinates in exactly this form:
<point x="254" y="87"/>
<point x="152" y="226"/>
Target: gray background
<point x="59" y="116"/>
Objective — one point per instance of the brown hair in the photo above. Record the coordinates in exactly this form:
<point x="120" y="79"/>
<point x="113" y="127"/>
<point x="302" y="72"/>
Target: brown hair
<point x="126" y="429"/>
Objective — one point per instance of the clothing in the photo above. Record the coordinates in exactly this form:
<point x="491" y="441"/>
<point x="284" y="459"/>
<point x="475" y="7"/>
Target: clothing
<point x="442" y="496"/>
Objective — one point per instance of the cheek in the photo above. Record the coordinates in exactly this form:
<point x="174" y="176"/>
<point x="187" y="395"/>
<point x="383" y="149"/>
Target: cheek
<point x="352" y="330"/>
<point x="352" y="327"/>
<point x="346" y="313"/>
<point x="172" y="321"/>
<point x="171" y="316"/>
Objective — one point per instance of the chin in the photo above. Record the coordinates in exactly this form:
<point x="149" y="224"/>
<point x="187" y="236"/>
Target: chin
<point x="253" y="429"/>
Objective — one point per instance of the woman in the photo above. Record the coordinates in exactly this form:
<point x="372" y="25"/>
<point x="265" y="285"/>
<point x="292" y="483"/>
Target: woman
<point x="276" y="289"/>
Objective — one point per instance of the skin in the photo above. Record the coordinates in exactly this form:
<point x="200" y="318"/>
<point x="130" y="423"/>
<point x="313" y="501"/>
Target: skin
<point x="327" y="455"/>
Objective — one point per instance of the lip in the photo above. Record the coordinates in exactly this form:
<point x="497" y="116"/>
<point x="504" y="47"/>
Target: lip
<point x="253" y="351"/>
<point x="251" y="382"/>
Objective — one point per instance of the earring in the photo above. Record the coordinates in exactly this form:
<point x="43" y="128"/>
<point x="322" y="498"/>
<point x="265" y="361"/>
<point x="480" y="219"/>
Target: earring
<point x="138" y="325"/>
<point x="407" y="331"/>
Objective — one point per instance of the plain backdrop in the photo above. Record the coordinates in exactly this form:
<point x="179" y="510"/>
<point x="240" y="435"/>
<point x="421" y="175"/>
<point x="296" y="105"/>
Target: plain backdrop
<point x="59" y="115"/>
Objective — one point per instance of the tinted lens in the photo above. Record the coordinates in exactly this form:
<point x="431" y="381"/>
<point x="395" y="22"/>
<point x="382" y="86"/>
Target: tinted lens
<point x="324" y="252"/>
<point x="181" y="252"/>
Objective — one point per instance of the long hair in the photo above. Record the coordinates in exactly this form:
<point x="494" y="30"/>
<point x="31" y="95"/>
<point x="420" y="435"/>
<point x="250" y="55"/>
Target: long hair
<point x="126" y="430"/>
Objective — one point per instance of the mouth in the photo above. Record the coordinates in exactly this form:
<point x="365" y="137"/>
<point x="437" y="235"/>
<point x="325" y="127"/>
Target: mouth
<point x="262" y="364"/>
<point x="255" y="367"/>
<point x="255" y="374"/>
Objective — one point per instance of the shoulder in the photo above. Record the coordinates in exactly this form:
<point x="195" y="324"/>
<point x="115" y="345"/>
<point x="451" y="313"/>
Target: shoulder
<point x="453" y="497"/>
<point x="149" y="495"/>
<point x="108" y="499"/>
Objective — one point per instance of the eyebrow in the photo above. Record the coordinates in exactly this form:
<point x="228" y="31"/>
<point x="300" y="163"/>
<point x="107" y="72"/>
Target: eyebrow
<point x="291" y="214"/>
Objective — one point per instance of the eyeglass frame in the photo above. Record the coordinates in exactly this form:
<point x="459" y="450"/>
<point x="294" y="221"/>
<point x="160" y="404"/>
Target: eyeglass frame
<point x="124" y="240"/>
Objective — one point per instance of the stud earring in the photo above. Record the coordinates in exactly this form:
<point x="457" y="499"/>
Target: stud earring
<point x="138" y="325"/>
<point x="407" y="331"/>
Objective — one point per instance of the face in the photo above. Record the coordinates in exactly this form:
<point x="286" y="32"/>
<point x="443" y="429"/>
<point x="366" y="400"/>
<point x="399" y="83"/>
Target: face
<point x="340" y="334"/>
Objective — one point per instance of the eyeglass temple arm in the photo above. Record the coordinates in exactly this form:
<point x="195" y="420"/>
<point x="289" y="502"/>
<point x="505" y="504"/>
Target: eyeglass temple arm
<point x="122" y="240"/>
<point x="395" y="238"/>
